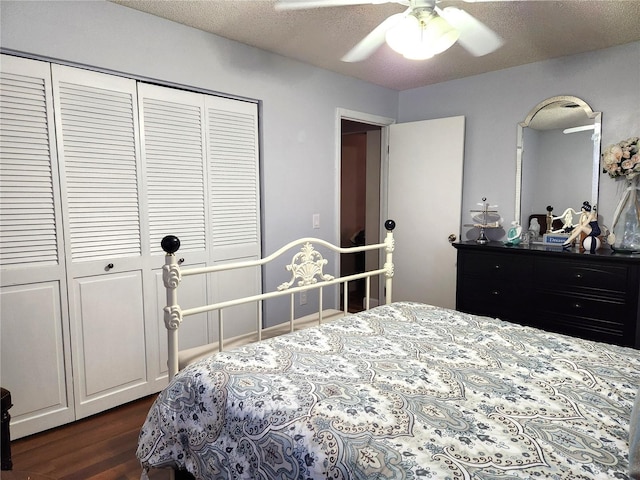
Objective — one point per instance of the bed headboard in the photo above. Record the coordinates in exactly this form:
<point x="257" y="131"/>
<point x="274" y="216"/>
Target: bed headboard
<point x="306" y="272"/>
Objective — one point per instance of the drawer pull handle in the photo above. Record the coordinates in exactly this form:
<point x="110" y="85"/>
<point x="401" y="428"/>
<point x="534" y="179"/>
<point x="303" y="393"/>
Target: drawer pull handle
<point x="578" y="275"/>
<point x="495" y="292"/>
<point x="577" y="306"/>
<point x="109" y="266"/>
<point x="497" y="267"/>
<point x="181" y="261"/>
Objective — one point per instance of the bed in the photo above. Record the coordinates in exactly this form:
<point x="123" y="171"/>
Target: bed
<point x="399" y="391"/>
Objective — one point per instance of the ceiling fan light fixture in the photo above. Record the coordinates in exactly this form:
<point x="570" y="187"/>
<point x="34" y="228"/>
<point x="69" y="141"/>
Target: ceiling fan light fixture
<point x="440" y="33"/>
<point x="421" y="35"/>
<point x="404" y="34"/>
<point x="418" y="54"/>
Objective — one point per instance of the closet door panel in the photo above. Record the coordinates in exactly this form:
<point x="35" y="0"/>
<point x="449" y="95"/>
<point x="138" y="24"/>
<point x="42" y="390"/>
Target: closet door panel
<point x="172" y="131"/>
<point x="174" y="159"/>
<point x="234" y="178"/>
<point x="36" y="358"/>
<point x="112" y="346"/>
<point x="97" y="128"/>
<point x="234" y="202"/>
<point x="33" y="357"/>
<point x="98" y="146"/>
<point x="29" y="186"/>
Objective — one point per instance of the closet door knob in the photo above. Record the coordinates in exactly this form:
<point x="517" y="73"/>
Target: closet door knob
<point x="452" y="238"/>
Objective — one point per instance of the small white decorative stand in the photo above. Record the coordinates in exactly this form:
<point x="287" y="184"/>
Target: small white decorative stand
<point x="488" y="217"/>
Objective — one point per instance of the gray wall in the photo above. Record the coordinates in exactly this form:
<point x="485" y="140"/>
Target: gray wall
<point x="493" y="103"/>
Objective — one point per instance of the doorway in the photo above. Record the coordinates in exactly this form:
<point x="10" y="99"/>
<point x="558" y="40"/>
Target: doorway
<point x="413" y="186"/>
<point x="360" y="206"/>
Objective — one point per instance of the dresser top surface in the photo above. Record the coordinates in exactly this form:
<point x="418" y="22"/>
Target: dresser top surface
<point x="604" y="254"/>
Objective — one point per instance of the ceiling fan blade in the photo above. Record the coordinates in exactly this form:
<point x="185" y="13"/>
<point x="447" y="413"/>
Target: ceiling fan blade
<point x="305" y="4"/>
<point x="475" y="36"/>
<point x="369" y="44"/>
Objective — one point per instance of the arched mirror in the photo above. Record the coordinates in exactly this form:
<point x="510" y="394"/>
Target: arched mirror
<point x="558" y="158"/>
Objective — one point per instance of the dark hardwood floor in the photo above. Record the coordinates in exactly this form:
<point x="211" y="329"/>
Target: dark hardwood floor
<point x="101" y="447"/>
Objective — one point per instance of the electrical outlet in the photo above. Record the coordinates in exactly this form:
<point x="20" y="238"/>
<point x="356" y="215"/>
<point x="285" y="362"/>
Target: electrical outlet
<point x="303" y="297"/>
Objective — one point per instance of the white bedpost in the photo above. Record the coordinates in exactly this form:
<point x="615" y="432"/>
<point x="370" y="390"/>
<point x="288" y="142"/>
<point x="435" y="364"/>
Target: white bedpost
<point x="388" y="262"/>
<point x="172" y="314"/>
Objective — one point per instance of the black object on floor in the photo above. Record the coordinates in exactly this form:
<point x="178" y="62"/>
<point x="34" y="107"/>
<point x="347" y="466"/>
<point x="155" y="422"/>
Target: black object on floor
<point x="5" y="436"/>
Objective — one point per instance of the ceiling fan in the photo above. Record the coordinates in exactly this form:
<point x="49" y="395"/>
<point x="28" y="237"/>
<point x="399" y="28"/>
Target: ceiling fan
<point x="420" y="32"/>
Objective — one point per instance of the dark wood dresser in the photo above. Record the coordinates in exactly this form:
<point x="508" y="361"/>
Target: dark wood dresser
<point x="592" y="296"/>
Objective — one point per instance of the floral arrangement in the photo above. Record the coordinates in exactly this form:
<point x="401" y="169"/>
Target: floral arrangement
<point x="622" y="159"/>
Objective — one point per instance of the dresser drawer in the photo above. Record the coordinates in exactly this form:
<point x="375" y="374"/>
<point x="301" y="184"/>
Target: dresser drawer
<point x="563" y="275"/>
<point x="505" y="300"/>
<point x="592" y="318"/>
<point x="599" y="309"/>
<point x="500" y="267"/>
<point x="599" y="332"/>
<point x="585" y="319"/>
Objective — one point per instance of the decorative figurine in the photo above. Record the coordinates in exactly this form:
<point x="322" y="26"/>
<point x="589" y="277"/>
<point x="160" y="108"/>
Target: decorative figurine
<point x="549" y="219"/>
<point x="588" y="225"/>
<point x="534" y="229"/>
<point x="567" y="221"/>
<point x="514" y="233"/>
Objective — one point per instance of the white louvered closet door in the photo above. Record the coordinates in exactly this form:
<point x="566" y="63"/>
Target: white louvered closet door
<point x="94" y="170"/>
<point x="98" y="147"/>
<point x="174" y="158"/>
<point x="234" y="200"/>
<point x="36" y="359"/>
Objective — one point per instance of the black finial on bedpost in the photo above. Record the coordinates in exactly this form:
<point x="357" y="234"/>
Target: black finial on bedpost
<point x="390" y="225"/>
<point x="170" y="244"/>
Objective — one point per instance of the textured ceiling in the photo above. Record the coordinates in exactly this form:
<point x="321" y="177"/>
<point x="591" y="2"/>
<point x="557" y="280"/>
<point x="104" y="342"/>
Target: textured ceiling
<point x="533" y="30"/>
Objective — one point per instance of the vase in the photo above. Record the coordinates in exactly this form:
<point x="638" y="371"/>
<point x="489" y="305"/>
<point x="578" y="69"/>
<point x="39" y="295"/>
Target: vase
<point x="626" y="220"/>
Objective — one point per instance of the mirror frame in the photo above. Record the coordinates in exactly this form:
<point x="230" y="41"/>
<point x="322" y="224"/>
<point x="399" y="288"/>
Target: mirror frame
<point x="597" y="123"/>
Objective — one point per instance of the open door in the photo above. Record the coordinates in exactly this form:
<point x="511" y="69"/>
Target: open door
<point x="425" y="200"/>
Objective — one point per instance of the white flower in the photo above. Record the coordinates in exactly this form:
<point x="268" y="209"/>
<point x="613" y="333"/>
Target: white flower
<point x="622" y="159"/>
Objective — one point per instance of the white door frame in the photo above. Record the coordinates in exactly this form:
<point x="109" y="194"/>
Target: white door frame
<point x="383" y="122"/>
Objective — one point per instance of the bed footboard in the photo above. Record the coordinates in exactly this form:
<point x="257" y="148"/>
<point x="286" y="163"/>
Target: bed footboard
<point x="306" y="272"/>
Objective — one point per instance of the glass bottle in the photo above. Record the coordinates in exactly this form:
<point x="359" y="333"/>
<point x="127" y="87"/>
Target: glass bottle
<point x="626" y="223"/>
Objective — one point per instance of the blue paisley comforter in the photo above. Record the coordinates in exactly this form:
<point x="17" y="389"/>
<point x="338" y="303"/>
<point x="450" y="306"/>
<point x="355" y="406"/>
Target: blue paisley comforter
<point x="405" y="391"/>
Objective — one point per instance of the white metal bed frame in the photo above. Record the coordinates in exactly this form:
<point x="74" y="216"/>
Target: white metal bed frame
<point x="307" y="273"/>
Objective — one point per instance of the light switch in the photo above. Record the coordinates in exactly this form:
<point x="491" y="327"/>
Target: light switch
<point x="316" y="220"/>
